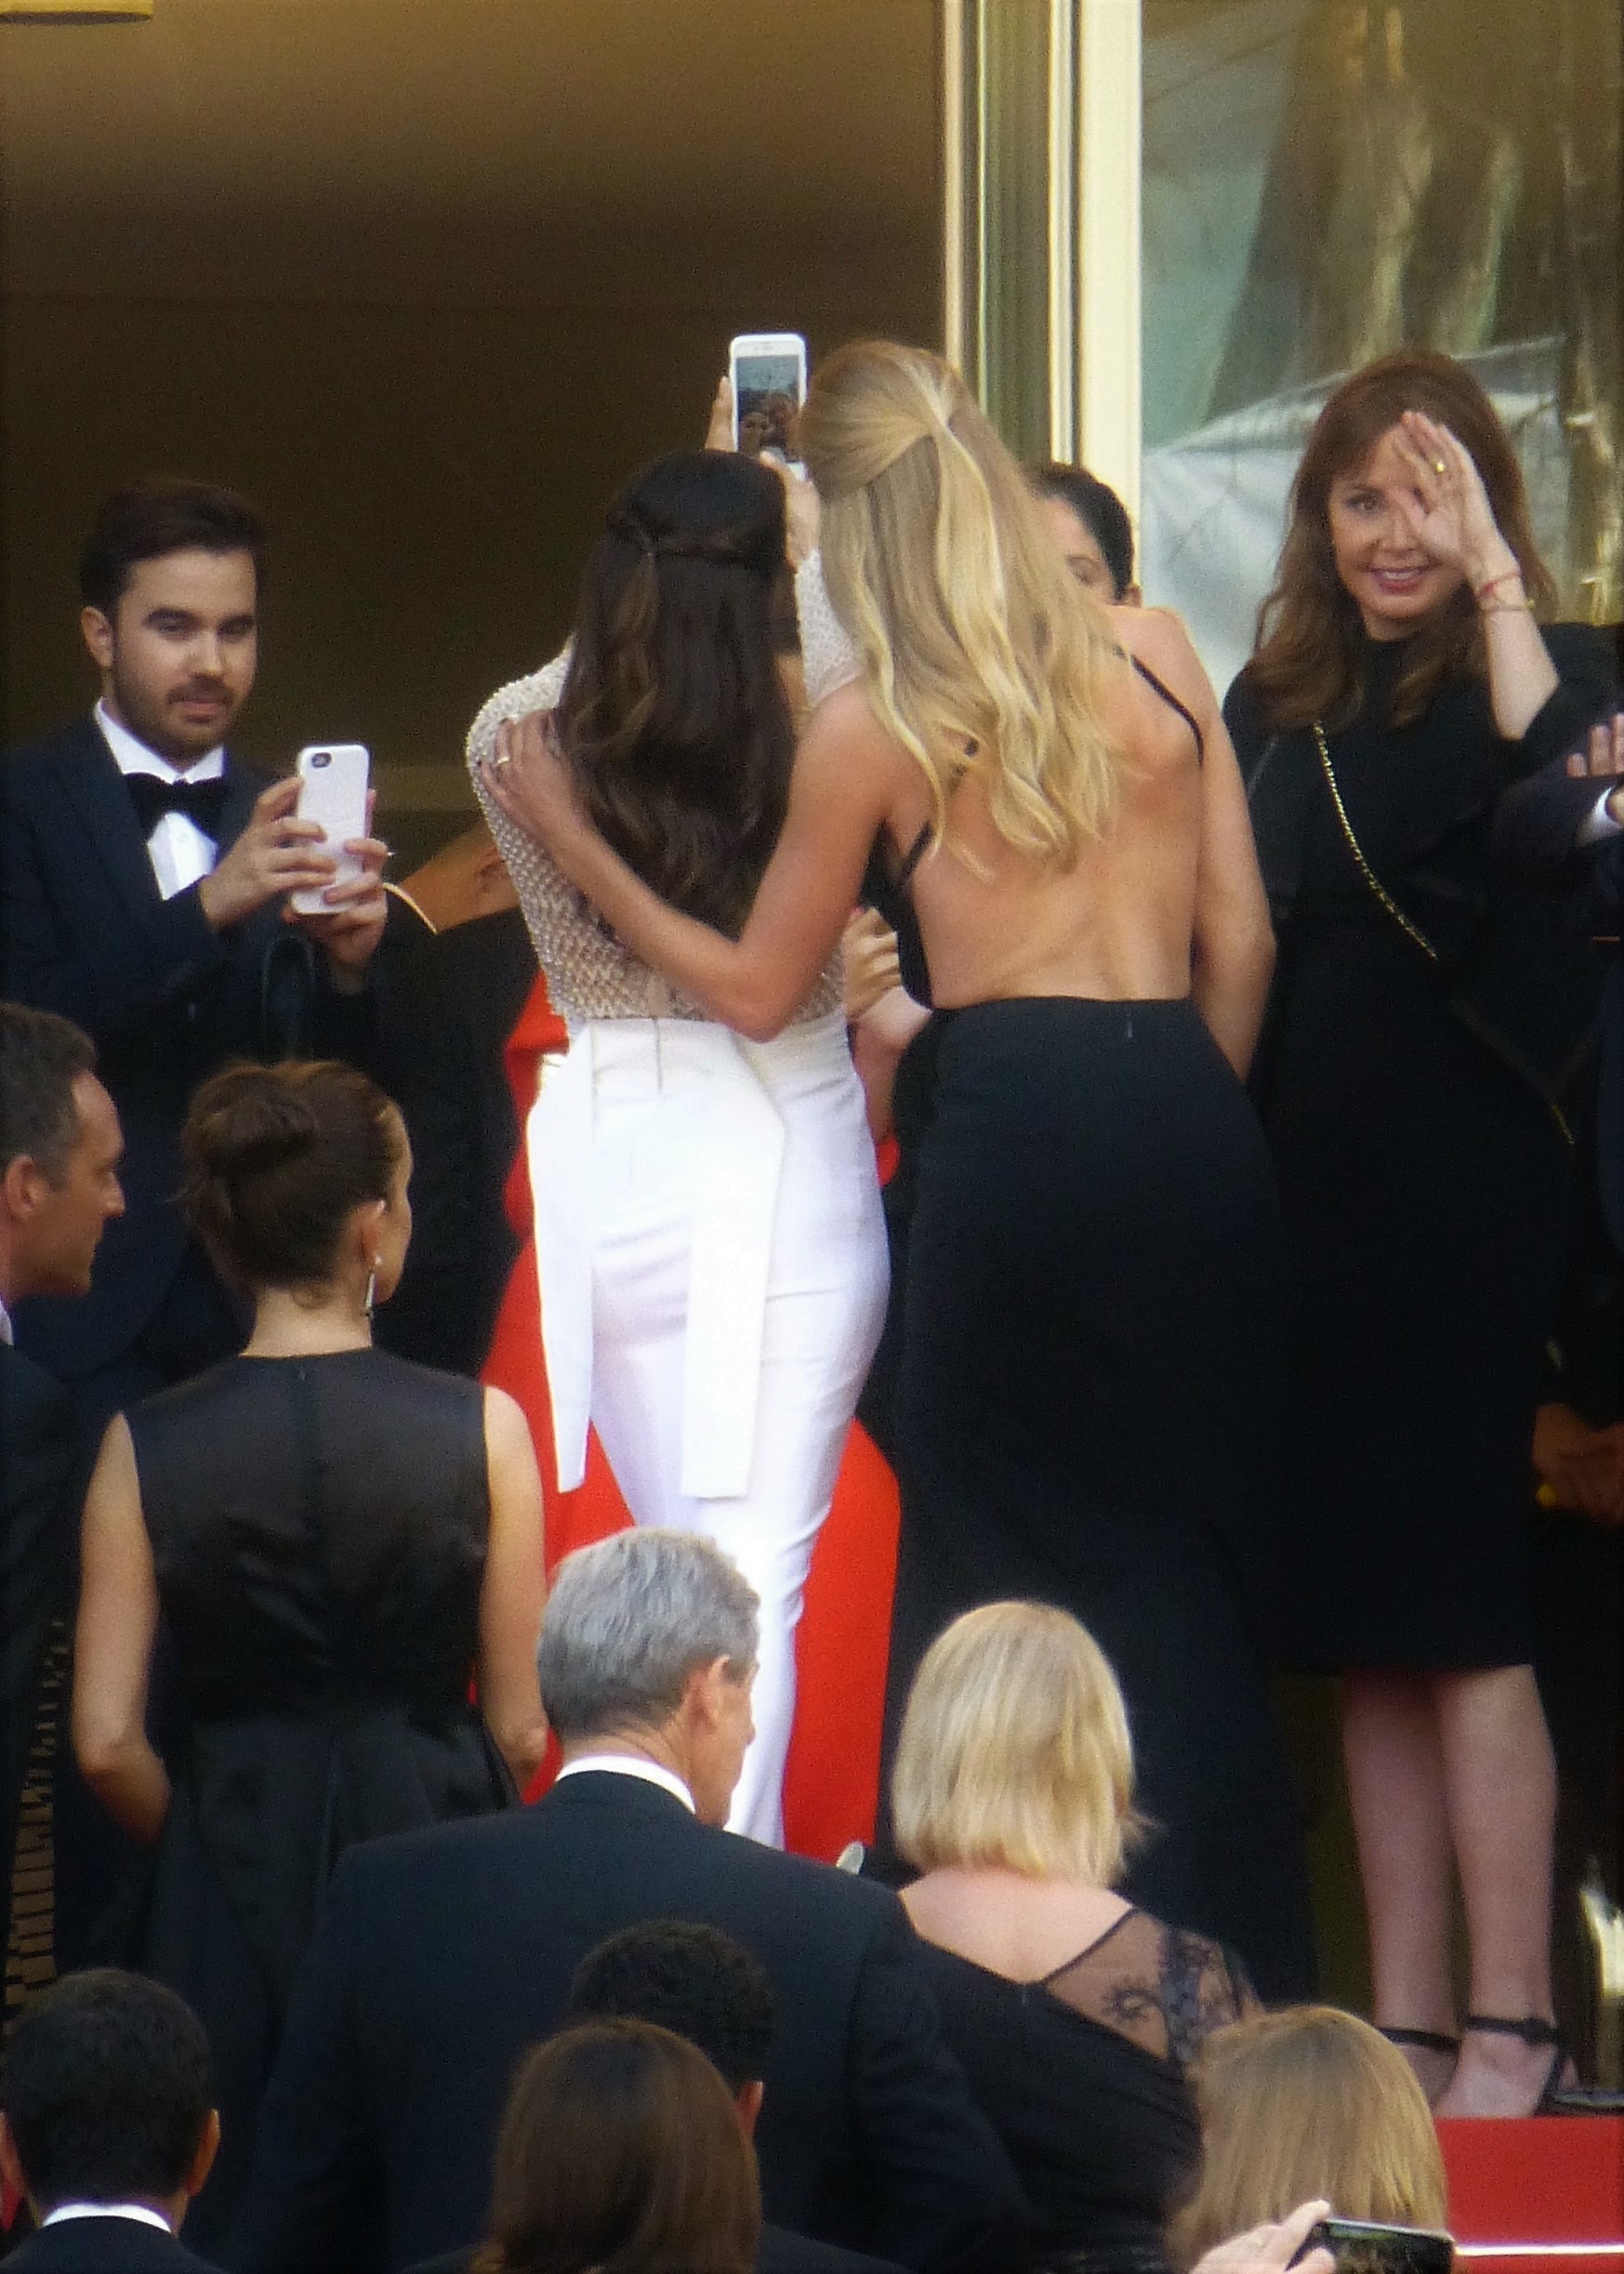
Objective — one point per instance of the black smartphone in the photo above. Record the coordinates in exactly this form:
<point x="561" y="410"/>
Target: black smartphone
<point x="1365" y="2246"/>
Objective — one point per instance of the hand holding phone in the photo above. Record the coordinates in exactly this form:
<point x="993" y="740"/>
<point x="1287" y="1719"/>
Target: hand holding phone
<point x="767" y="372"/>
<point x="1367" y="2246"/>
<point x="333" y="783"/>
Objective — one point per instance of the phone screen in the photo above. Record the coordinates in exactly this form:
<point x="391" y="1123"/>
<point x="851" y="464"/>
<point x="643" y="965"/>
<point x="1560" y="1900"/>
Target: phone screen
<point x="1362" y="2246"/>
<point x="767" y="397"/>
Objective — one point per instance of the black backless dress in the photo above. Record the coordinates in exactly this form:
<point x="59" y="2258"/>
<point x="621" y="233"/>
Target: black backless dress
<point x="319" y="1530"/>
<point x="1089" y="1409"/>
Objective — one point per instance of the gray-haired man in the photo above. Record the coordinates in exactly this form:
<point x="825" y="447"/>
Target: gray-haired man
<point x="444" y="1954"/>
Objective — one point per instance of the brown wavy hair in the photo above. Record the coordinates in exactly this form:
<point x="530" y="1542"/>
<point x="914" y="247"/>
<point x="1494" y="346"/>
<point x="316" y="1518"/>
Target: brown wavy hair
<point x="673" y="719"/>
<point x="621" y="2153"/>
<point x="1309" y="654"/>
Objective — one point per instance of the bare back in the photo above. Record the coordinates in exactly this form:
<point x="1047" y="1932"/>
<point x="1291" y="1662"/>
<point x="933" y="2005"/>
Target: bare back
<point x="1128" y="920"/>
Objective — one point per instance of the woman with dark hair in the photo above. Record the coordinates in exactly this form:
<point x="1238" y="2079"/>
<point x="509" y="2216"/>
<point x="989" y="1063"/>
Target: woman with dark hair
<point x="1426" y="1027"/>
<point x="1090" y="524"/>
<point x="708" y="1234"/>
<point x="336" y="1542"/>
<point x="621" y="2153"/>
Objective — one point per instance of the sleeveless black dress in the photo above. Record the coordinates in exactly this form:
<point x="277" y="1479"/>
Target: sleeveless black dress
<point x="318" y="1527"/>
<point x="1089" y="1408"/>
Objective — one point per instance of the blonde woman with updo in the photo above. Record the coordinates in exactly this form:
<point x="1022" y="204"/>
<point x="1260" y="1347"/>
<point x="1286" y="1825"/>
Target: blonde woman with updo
<point x="1073" y="2012"/>
<point x="337" y="1543"/>
<point x="1308" y="2102"/>
<point x="1092" y="1317"/>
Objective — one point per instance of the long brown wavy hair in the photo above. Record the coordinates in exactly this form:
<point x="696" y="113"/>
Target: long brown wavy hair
<point x="621" y="2153"/>
<point x="673" y="719"/>
<point x="1310" y="653"/>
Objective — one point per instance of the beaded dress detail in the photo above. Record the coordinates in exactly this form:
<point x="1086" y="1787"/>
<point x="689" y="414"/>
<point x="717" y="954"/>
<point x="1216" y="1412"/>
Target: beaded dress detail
<point x="589" y="975"/>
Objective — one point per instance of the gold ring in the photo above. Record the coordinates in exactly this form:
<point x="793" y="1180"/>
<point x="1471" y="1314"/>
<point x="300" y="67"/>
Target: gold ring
<point x="1440" y="467"/>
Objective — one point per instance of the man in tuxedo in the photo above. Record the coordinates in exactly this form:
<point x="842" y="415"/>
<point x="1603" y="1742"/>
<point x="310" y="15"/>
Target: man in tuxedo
<point x="443" y="1955"/>
<point x="107" y="2127"/>
<point x="144" y="883"/>
<point x="60" y="1147"/>
<point x="1562" y="826"/>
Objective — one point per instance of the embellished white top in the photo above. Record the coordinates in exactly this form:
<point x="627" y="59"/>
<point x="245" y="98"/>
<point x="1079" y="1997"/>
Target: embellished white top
<point x="589" y="973"/>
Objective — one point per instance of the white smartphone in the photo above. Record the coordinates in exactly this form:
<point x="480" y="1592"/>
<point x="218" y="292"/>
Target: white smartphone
<point x="332" y="781"/>
<point x="767" y="371"/>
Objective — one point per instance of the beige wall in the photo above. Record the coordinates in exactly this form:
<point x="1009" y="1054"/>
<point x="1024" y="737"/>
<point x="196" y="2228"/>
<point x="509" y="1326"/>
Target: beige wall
<point x="427" y="277"/>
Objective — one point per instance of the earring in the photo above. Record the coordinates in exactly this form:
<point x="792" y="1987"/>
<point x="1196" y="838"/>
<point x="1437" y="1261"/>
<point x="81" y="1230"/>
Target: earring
<point x="369" y="1301"/>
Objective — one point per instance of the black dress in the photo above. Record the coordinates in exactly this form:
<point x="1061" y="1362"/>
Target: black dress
<point x="1414" y="1111"/>
<point x="319" y="1528"/>
<point x="1082" y="2077"/>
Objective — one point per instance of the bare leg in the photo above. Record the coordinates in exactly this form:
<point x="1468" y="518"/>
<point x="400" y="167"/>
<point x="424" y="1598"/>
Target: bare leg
<point x="1501" y="1780"/>
<point x="1401" y="1820"/>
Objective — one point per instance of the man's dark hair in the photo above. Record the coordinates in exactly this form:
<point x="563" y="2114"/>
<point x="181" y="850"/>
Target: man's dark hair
<point x="41" y="1058"/>
<point x="158" y="516"/>
<point x="107" y="2089"/>
<point x="693" y="1980"/>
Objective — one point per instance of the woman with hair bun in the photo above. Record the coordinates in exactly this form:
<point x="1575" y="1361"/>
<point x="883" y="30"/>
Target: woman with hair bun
<point x="335" y="1542"/>
<point x="1091" y="1342"/>
<point x="1427" y="1034"/>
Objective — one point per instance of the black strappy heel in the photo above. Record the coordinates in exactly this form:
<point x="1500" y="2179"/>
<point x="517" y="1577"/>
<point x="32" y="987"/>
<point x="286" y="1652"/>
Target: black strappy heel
<point x="1424" y="2041"/>
<point x="1534" y="2029"/>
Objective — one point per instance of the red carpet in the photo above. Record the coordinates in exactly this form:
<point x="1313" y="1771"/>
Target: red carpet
<point x="1550" y="2181"/>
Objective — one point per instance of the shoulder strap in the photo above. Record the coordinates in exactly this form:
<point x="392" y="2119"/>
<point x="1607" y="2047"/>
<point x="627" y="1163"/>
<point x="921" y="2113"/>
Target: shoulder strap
<point x="914" y="856"/>
<point x="1172" y="702"/>
<point x="1410" y="931"/>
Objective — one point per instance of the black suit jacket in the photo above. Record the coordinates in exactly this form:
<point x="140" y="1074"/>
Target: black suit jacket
<point x="778" y="2252"/>
<point x="454" y="997"/>
<point x="442" y="1956"/>
<point x="39" y="1466"/>
<point x="105" y="2246"/>
<point x="166" y="999"/>
<point x="1537" y="826"/>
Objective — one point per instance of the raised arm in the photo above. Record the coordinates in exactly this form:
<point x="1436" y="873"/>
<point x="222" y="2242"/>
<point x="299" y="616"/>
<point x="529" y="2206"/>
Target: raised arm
<point x="511" y="1597"/>
<point x="839" y="796"/>
<point x="112" y="1646"/>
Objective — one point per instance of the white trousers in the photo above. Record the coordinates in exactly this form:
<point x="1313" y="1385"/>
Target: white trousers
<point x="729" y="1211"/>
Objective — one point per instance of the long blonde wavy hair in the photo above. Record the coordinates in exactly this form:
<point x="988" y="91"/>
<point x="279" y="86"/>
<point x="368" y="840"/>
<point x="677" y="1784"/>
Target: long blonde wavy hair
<point x="970" y="628"/>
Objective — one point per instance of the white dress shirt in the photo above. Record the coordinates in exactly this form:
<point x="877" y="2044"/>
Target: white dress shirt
<point x="142" y="2212"/>
<point x="178" y="849"/>
<point x="629" y="1765"/>
<point x="6" y="1331"/>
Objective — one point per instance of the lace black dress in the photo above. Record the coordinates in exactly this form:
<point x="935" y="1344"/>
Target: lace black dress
<point x="1082" y="2077"/>
<point x="319" y="1530"/>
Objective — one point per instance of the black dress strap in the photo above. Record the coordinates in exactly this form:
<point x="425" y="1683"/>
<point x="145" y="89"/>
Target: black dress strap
<point x="1169" y="697"/>
<point x="911" y="859"/>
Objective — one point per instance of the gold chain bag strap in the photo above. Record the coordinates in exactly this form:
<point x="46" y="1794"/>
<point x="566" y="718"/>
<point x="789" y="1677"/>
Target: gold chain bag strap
<point x="1411" y="930"/>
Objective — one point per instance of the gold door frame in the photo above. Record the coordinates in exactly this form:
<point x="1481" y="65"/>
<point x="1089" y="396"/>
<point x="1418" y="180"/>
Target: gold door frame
<point x="1041" y="142"/>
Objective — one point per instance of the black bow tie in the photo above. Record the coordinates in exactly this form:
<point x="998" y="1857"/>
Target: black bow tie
<point x="200" y="802"/>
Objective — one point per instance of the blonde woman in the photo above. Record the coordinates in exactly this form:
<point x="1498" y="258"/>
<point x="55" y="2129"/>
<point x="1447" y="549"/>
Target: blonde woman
<point x="1073" y="2012"/>
<point x="1092" y="1314"/>
<point x="1310" y="2101"/>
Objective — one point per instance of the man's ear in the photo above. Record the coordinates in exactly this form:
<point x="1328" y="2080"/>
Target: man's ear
<point x="748" y="2100"/>
<point x="96" y="630"/>
<point x="12" y="2174"/>
<point x="208" y="2143"/>
<point x="703" y="1693"/>
<point x="24" y="1188"/>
